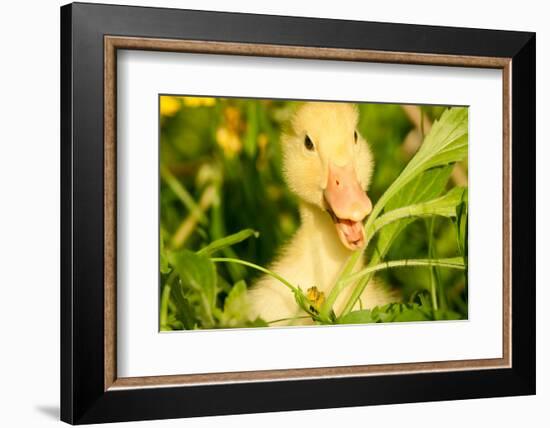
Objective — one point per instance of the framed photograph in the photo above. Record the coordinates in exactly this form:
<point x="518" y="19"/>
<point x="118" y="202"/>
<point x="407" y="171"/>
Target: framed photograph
<point x="258" y="207"/>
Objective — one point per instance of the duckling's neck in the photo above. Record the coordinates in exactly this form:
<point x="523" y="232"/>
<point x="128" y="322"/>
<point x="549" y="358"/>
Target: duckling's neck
<point x="322" y="252"/>
<point x="313" y="217"/>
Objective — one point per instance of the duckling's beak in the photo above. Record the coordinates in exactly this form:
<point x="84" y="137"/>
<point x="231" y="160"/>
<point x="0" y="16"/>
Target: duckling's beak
<point x="348" y="204"/>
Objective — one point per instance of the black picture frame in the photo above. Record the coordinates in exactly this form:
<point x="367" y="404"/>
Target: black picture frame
<point x="83" y="396"/>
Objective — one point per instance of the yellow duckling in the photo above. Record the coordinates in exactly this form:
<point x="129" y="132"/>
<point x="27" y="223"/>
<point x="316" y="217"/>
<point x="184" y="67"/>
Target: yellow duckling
<point x="328" y="165"/>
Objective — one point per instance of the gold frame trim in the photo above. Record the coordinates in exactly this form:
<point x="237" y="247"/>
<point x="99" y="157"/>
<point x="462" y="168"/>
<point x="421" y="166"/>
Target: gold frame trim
<point x="112" y="43"/>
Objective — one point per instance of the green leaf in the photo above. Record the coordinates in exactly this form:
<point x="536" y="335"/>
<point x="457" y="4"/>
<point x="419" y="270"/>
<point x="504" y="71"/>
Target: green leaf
<point x="236" y="306"/>
<point x="423" y="188"/>
<point x="227" y="241"/>
<point x="409" y="313"/>
<point x="393" y="312"/>
<point x="446" y="143"/>
<point x="258" y="322"/>
<point x="198" y="281"/>
<point x="445" y="206"/>
<point x="446" y="314"/>
<point x="358" y="317"/>
<point x="185" y="311"/>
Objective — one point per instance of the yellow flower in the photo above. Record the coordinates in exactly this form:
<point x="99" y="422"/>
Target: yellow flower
<point x="232" y="116"/>
<point x="262" y="142"/>
<point x="169" y="106"/>
<point x="199" y="101"/>
<point x="316" y="297"/>
<point x="229" y="141"/>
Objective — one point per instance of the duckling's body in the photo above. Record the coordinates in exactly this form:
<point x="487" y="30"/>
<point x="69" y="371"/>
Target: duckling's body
<point x="313" y="257"/>
<point x="328" y="166"/>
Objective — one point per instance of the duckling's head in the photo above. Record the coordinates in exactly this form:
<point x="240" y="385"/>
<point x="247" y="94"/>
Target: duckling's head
<point x="328" y="164"/>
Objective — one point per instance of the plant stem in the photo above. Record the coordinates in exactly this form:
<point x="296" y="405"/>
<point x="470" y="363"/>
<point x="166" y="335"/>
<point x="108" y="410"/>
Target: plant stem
<point x="360" y="287"/>
<point x="430" y="228"/>
<point x="370" y="230"/>
<point x="366" y="274"/>
<point x="288" y="319"/>
<point x="165" y="298"/>
<point x="182" y="193"/>
<point x="187" y="226"/>
<point x="326" y="307"/>
<point x="451" y="263"/>
<point x="227" y="241"/>
<point x="254" y="266"/>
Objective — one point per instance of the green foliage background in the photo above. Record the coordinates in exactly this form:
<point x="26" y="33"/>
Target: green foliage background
<point x="221" y="173"/>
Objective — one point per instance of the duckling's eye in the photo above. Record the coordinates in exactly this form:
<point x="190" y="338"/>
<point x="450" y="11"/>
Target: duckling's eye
<point x="309" y="144"/>
<point x="355" y="136"/>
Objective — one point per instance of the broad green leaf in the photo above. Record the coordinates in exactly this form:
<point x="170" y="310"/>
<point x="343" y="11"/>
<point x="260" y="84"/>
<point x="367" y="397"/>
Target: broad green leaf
<point x="227" y="241"/>
<point x="445" y="206"/>
<point x="423" y="188"/>
<point x="195" y="271"/>
<point x="446" y="143"/>
<point x="197" y="280"/>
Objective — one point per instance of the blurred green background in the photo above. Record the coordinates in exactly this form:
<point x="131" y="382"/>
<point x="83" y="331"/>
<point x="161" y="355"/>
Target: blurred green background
<point x="221" y="173"/>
